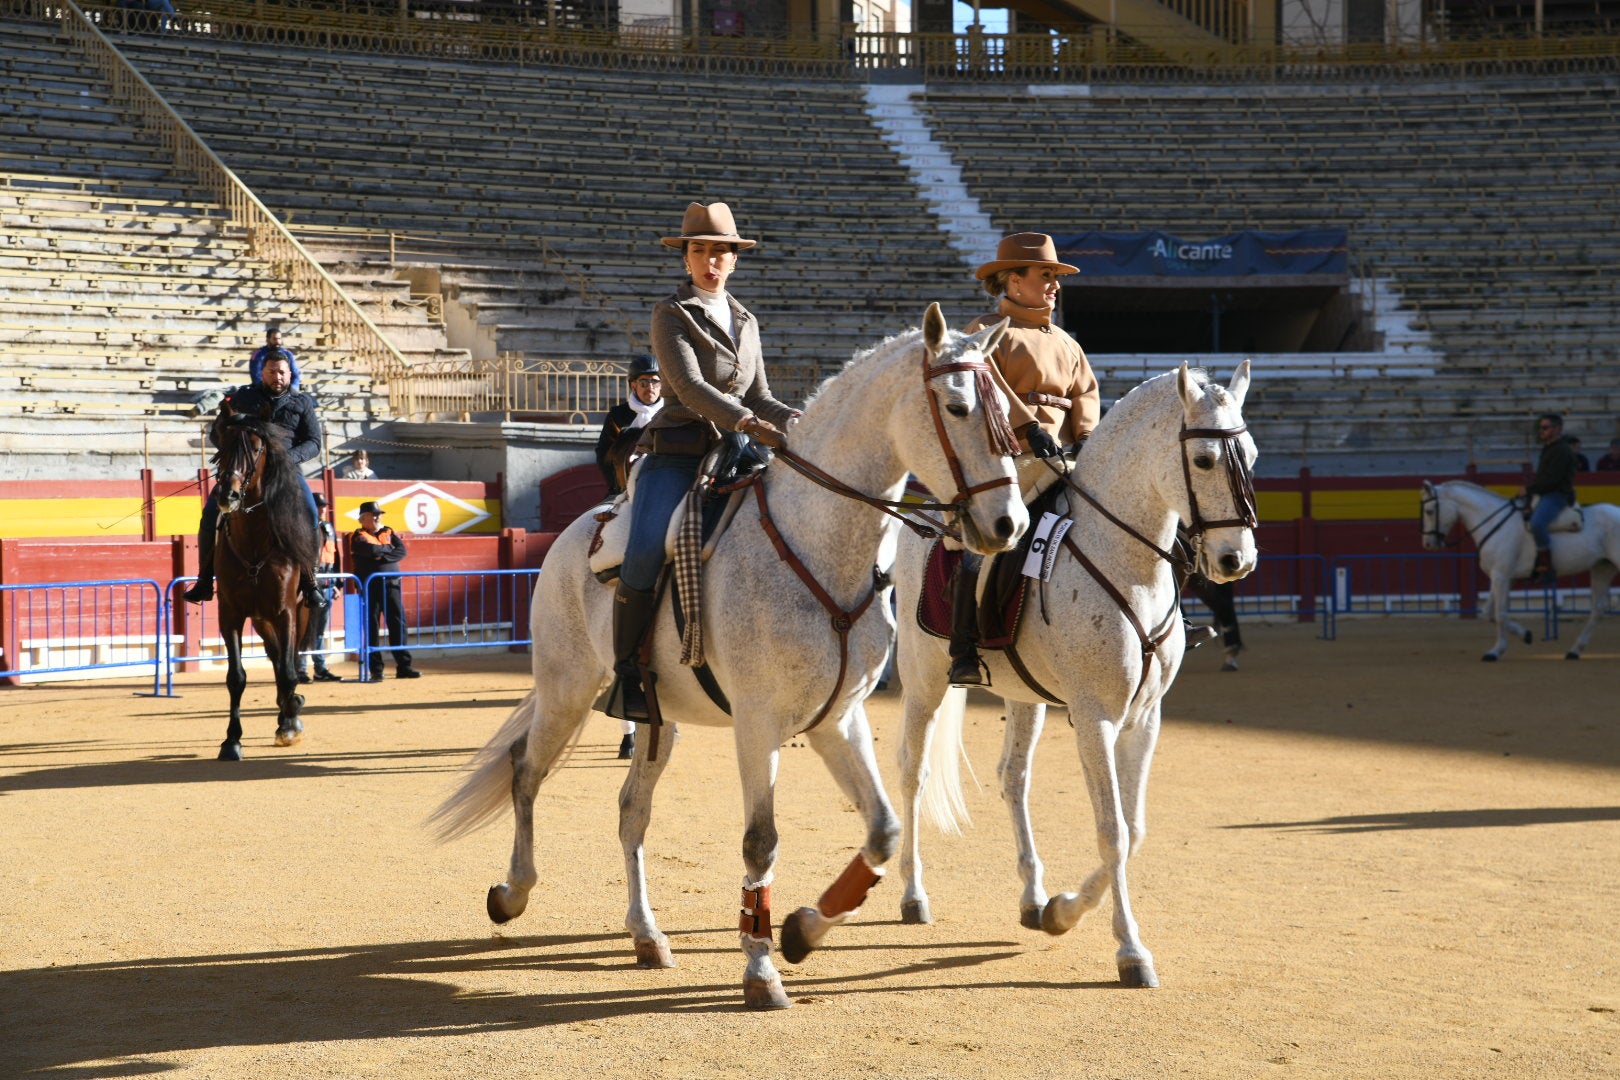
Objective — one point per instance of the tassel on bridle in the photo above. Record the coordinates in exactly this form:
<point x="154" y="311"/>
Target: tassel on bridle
<point x="1003" y="440"/>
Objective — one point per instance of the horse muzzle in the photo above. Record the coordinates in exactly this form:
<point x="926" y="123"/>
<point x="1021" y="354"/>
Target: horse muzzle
<point x="1223" y="564"/>
<point x="1001" y="534"/>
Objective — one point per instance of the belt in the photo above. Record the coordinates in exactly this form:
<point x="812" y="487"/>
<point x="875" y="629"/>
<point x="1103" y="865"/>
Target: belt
<point x="1050" y="400"/>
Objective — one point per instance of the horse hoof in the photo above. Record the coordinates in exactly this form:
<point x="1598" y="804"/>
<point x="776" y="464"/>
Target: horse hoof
<point x="795" y="945"/>
<point x="654" y="953"/>
<point x="1137" y="975"/>
<point x="1572" y="655"/>
<point x="1489" y="658"/>
<point x="765" y="994"/>
<point x="230" y="751"/>
<point x="495" y="904"/>
<point x="1051" y="922"/>
<point x="916" y="913"/>
<point x="288" y="736"/>
<point x="1029" y="916"/>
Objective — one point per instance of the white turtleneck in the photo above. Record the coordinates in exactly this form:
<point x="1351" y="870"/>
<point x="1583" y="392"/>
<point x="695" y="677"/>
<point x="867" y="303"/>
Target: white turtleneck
<point x="718" y="307"/>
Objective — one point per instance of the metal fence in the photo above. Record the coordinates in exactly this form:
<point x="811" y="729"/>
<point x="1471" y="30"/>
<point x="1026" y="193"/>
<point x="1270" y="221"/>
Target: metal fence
<point x="1429" y="584"/>
<point x="450" y="610"/>
<point x="69" y="626"/>
<point x="1292" y="586"/>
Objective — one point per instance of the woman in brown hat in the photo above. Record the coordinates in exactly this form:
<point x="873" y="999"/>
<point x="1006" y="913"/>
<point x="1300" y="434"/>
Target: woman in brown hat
<point x="1052" y="393"/>
<point x="707" y="345"/>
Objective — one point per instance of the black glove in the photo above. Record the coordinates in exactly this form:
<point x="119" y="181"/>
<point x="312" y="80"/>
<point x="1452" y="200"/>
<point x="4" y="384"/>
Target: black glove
<point x="1041" y="444"/>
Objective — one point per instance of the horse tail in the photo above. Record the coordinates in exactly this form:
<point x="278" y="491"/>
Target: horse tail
<point x="942" y="800"/>
<point x="488" y="789"/>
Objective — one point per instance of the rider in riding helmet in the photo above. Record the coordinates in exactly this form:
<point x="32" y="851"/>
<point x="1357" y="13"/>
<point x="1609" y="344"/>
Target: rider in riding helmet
<point x="1052" y="395"/>
<point x="708" y="351"/>
<point x="289" y="409"/>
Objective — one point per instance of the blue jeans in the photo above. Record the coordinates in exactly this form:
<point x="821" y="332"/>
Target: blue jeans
<point x="1548" y="507"/>
<point x="663" y="483"/>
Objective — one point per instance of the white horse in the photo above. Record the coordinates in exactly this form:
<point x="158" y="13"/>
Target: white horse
<point x="1106" y="639"/>
<point x="1507" y="551"/>
<point x="785" y="657"/>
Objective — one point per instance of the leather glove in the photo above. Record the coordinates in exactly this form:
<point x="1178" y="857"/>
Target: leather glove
<point x="1041" y="444"/>
<point x="766" y="432"/>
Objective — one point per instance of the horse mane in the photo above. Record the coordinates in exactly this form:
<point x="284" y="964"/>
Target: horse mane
<point x="861" y="356"/>
<point x="281" y="491"/>
<point x="1137" y="397"/>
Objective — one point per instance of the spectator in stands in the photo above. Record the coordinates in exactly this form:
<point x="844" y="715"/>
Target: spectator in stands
<point x="1582" y="463"/>
<point x="359" y="467"/>
<point x="1051" y="392"/>
<point x="617" y="443"/>
<point x="272" y="347"/>
<point x="708" y="351"/>
<point x="317" y="617"/>
<point x="1554" y="486"/>
<point x="296" y="413"/>
<point x="374" y="548"/>
<point x="1610" y="462"/>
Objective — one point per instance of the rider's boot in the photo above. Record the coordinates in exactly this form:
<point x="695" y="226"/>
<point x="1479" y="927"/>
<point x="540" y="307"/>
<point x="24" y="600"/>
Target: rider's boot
<point x="203" y="590"/>
<point x="966" y="670"/>
<point x="632" y="615"/>
<point x="1542" y="573"/>
<point x="314" y="597"/>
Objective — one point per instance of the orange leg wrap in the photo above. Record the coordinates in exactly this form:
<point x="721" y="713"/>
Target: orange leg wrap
<point x="848" y="893"/>
<point x="756" y="912"/>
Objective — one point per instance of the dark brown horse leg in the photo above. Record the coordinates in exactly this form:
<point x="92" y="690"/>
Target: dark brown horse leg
<point x="281" y="646"/>
<point x="235" y="682"/>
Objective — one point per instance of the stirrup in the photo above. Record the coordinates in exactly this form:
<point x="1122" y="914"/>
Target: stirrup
<point x="626" y="700"/>
<point x="314" y="598"/>
<point x="1198" y="635"/>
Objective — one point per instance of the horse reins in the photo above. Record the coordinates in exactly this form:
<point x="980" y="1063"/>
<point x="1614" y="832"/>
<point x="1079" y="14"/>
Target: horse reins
<point x="1501" y="515"/>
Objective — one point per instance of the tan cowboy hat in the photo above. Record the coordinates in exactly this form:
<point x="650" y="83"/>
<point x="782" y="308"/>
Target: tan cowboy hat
<point x="1025" y="249"/>
<point x="712" y="222"/>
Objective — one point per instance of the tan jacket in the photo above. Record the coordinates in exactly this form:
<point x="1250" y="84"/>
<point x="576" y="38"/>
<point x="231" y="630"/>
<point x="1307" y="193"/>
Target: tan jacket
<point x="1035" y="357"/>
<point x="710" y="377"/>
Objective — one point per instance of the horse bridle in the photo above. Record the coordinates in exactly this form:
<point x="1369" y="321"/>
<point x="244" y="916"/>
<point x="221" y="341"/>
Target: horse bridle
<point x="237" y="473"/>
<point x="998" y="431"/>
<point x="1500" y="516"/>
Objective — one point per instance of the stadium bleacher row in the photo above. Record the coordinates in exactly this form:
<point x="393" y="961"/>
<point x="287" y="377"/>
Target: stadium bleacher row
<point x="1487" y="211"/>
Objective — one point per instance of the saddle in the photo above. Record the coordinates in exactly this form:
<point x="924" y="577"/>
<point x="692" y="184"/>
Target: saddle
<point x="1002" y="586"/>
<point x="1571" y="520"/>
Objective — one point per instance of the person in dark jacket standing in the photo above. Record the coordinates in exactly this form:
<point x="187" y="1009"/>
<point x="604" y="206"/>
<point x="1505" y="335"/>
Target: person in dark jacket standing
<point x="1554" y="484"/>
<point x="617" y="442"/>
<point x="291" y="410"/>
<point x="317" y="618"/>
<point x="373" y="549"/>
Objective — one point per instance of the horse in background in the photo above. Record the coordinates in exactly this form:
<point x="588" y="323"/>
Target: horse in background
<point x="1507" y="551"/>
<point x="266" y="542"/>
<point x="1102" y="636"/>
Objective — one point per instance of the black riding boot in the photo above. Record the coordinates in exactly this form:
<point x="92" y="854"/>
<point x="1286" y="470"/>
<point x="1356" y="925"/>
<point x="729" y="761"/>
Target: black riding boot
<point x="632" y="616"/>
<point x="965" y="667"/>
<point x="203" y="590"/>
<point x="314" y="598"/>
<point x="1542" y="573"/>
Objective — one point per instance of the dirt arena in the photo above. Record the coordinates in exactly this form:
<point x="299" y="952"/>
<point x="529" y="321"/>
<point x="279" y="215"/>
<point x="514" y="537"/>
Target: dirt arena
<point x="1375" y="857"/>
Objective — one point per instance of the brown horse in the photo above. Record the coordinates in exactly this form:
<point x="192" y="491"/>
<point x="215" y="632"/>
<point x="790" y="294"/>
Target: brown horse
<point x="267" y="539"/>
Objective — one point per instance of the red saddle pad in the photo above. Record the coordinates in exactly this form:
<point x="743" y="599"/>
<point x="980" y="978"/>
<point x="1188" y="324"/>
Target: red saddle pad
<point x="934" y="604"/>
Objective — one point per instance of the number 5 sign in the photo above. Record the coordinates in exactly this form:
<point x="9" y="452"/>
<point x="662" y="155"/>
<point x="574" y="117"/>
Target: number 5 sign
<point x="422" y="509"/>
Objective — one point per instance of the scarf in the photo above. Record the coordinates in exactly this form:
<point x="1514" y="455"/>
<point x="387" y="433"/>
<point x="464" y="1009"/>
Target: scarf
<point x="644" y="413"/>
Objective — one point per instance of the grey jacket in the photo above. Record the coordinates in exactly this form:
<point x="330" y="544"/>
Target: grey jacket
<point x="709" y="376"/>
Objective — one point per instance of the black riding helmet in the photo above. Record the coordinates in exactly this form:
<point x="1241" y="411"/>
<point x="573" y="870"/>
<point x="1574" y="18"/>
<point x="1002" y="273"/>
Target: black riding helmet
<point x="643" y="364"/>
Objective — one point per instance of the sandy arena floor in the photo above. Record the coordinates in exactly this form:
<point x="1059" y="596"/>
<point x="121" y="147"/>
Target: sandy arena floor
<point x="1370" y="858"/>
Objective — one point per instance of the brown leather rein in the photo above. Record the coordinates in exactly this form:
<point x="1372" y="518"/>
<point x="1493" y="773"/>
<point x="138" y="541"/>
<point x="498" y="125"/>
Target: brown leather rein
<point x="1001" y="439"/>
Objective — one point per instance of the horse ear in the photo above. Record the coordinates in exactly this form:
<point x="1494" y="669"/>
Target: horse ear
<point x="1191" y="392"/>
<point x="934" y="328"/>
<point x="1239" y="386"/>
<point x="988" y="338"/>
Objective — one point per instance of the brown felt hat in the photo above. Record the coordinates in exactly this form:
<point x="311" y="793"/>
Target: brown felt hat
<point x="1025" y="249"/>
<point x="712" y="222"/>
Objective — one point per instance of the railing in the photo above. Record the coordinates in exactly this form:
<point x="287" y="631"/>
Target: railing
<point x="451" y="610"/>
<point x="1088" y="56"/>
<point x="73" y="626"/>
<point x="1293" y="586"/>
<point x="1429" y="584"/>
<point x="343" y="324"/>
<point x="572" y="391"/>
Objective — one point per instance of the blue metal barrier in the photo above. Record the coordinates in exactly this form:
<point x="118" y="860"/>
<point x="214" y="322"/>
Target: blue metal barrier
<point x="208" y="612"/>
<point x="1294" y="586"/>
<point x="1428" y="584"/>
<point x="70" y="620"/>
<point x="451" y="609"/>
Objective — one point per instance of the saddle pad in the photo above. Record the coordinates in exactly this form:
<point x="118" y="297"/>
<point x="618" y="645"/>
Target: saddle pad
<point x="997" y="629"/>
<point x="613" y="531"/>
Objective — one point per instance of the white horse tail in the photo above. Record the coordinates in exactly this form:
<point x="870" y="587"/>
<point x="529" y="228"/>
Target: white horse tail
<point x="488" y="789"/>
<point x="942" y="800"/>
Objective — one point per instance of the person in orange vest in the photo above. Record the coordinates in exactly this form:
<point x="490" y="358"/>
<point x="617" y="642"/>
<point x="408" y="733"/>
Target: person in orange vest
<point x="326" y="564"/>
<point x="373" y="549"/>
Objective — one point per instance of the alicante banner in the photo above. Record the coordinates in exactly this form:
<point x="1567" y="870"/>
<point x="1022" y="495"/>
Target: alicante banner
<point x="1242" y="254"/>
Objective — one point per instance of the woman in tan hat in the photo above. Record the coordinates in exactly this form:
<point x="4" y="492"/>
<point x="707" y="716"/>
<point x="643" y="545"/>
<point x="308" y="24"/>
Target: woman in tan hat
<point x="707" y="345"/>
<point x="1052" y="393"/>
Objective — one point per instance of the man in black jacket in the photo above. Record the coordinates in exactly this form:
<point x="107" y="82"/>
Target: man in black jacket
<point x="626" y="419"/>
<point x="1554" y="483"/>
<point x="374" y="548"/>
<point x="289" y="409"/>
